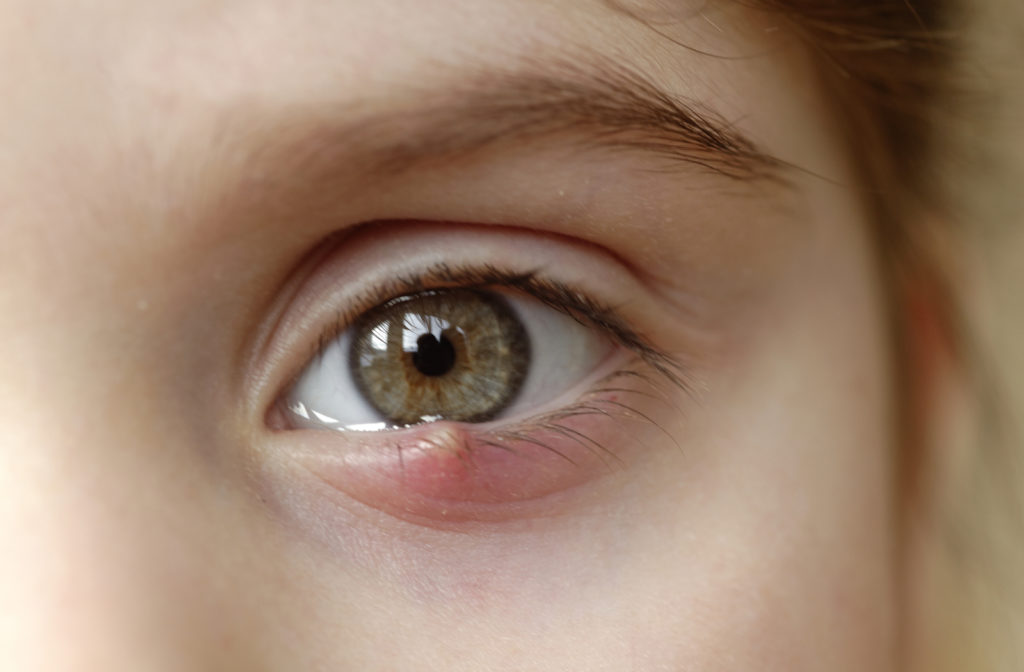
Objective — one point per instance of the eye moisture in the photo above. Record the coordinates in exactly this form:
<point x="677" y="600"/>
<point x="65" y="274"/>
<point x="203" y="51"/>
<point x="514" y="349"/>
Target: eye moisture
<point x="481" y="346"/>
<point x="459" y="355"/>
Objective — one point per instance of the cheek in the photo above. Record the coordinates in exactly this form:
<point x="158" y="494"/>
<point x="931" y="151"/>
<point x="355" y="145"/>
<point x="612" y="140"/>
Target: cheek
<point x="805" y="457"/>
<point x="788" y="550"/>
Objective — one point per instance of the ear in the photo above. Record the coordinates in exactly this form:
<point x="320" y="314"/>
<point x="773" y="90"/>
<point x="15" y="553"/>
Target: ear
<point x="931" y="352"/>
<point x="938" y="459"/>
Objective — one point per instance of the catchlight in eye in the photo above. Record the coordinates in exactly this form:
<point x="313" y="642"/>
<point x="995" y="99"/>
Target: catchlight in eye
<point x="460" y="355"/>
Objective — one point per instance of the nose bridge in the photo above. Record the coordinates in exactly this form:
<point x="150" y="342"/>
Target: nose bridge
<point x="94" y="575"/>
<point x="75" y="572"/>
<point x="114" y="536"/>
<point x="125" y="532"/>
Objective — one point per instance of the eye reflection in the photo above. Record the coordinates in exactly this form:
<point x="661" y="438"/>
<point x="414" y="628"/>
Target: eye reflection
<point x="378" y="337"/>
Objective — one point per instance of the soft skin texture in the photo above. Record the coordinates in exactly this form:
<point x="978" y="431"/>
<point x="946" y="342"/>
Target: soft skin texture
<point x="156" y="301"/>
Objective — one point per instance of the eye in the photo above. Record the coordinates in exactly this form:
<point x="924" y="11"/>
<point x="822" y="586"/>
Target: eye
<point x="461" y="355"/>
<point x="486" y="381"/>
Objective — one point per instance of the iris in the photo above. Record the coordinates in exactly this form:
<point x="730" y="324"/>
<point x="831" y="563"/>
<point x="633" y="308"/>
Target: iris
<point x="450" y="354"/>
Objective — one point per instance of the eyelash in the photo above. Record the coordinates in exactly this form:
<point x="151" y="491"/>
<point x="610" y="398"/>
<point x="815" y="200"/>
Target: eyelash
<point x="591" y="403"/>
<point x="556" y="295"/>
<point x="647" y="360"/>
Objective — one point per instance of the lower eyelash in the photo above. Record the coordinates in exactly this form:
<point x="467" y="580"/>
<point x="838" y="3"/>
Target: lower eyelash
<point x="446" y="473"/>
<point x="595" y="402"/>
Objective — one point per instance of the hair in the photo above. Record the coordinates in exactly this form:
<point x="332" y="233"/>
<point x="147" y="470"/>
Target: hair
<point x="894" y="68"/>
<point x="888" y="65"/>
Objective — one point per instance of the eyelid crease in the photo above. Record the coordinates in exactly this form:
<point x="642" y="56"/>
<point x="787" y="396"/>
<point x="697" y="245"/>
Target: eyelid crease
<point x="552" y="293"/>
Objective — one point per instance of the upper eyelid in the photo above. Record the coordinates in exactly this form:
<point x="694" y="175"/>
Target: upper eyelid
<point x="556" y="295"/>
<point x="322" y="294"/>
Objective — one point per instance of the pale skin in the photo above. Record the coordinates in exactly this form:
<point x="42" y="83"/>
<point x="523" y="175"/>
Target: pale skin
<point x="155" y="519"/>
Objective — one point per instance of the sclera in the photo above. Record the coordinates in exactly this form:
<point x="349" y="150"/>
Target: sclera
<point x="563" y="351"/>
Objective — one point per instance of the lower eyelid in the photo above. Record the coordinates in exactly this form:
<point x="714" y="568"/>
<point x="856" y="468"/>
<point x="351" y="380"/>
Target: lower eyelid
<point x="448" y="473"/>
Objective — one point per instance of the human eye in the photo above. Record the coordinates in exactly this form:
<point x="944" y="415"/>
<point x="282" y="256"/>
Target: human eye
<point x="453" y="354"/>
<point x="474" y="377"/>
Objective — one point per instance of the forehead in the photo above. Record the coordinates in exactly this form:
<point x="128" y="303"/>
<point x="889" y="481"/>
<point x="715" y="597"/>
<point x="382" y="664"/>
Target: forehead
<point x="162" y="60"/>
<point x="209" y="42"/>
<point x="122" y="101"/>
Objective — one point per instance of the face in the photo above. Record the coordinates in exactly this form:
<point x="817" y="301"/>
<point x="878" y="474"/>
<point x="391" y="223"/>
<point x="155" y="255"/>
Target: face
<point x="442" y="336"/>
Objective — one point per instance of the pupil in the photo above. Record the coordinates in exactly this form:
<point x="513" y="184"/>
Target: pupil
<point x="433" y="357"/>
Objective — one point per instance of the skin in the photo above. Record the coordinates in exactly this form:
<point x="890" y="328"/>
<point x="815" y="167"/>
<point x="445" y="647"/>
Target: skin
<point x="154" y="519"/>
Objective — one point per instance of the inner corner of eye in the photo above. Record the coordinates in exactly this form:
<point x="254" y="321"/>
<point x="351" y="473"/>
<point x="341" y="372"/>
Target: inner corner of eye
<point x="457" y="355"/>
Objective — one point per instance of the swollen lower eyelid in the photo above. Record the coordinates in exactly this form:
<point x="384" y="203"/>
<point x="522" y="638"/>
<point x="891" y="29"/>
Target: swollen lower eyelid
<point x="451" y="472"/>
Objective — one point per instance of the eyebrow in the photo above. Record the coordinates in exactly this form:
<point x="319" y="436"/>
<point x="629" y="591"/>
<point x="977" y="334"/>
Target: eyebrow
<point x="591" y="102"/>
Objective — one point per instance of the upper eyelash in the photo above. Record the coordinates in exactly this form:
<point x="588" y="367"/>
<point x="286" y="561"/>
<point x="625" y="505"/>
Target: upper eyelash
<point x="554" y="294"/>
<point x="567" y="300"/>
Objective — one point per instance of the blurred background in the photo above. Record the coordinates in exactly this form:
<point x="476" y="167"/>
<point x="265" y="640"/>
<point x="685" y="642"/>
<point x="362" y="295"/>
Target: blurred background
<point x="992" y="175"/>
<point x="985" y="177"/>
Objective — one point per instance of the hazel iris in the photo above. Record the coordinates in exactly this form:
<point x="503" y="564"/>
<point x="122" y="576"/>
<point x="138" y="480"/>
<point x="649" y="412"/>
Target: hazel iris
<point x="452" y="354"/>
